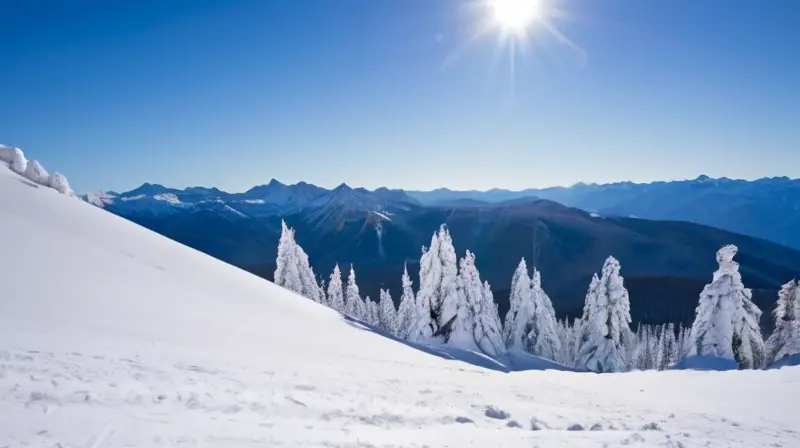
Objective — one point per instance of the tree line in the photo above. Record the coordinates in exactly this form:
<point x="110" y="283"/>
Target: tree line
<point x="452" y="306"/>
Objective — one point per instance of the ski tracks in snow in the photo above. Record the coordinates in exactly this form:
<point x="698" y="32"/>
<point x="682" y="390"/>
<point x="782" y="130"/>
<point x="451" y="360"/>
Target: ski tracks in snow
<point x="74" y="400"/>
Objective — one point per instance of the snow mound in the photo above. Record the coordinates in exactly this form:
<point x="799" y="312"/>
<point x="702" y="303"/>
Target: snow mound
<point x="35" y="172"/>
<point x="131" y="339"/>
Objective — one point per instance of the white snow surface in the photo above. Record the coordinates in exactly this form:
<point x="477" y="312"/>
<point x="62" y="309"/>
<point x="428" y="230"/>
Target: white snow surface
<point x="112" y="336"/>
<point x="167" y="197"/>
<point x="382" y="215"/>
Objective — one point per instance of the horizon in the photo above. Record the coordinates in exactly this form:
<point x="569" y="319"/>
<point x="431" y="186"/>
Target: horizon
<point x="400" y="93"/>
<point x="346" y="184"/>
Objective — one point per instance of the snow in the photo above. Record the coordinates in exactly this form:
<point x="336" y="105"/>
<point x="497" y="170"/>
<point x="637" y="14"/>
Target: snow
<point x="595" y="215"/>
<point x="138" y="197"/>
<point x="121" y="337"/>
<point x="167" y="197"/>
<point x="382" y="215"/>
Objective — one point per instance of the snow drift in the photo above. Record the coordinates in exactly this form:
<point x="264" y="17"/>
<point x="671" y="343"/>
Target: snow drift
<point x="111" y="335"/>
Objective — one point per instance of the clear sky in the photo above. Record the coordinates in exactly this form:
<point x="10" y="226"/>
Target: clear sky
<point x="232" y="93"/>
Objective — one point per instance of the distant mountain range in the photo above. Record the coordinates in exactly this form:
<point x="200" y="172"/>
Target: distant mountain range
<point x="766" y="208"/>
<point x="666" y="263"/>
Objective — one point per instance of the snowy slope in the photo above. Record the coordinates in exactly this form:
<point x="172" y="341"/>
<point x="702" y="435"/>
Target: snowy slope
<point x="111" y="335"/>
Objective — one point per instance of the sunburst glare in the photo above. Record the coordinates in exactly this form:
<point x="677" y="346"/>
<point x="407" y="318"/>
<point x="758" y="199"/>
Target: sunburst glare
<point x="514" y="23"/>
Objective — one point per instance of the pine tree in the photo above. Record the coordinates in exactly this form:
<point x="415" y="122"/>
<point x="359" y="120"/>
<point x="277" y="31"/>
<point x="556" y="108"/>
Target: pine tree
<point x="481" y="330"/>
<point x="287" y="274"/>
<point x="387" y="315"/>
<point x="785" y="339"/>
<point x="335" y="292"/>
<point x="308" y="279"/>
<point x="488" y="328"/>
<point x="454" y="316"/>
<point x="522" y="310"/>
<point x="543" y="336"/>
<point x="606" y="338"/>
<point x="323" y="290"/>
<point x="406" y="309"/>
<point x="726" y="321"/>
<point x="424" y="324"/>
<point x="353" y="305"/>
<point x="371" y="312"/>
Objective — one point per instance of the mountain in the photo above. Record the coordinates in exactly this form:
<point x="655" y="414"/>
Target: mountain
<point x="766" y="208"/>
<point x="115" y="336"/>
<point x="666" y="264"/>
<point x="272" y="199"/>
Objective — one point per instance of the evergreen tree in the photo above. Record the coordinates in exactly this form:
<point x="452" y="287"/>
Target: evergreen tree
<point x="726" y="320"/>
<point x="481" y="331"/>
<point x="371" y="312"/>
<point x="406" y="309"/>
<point x="308" y="279"/>
<point x="323" y="295"/>
<point x="287" y="274"/>
<point x="387" y="315"/>
<point x="488" y="328"/>
<point x="424" y="324"/>
<point x="785" y="339"/>
<point x="606" y="338"/>
<point x="454" y="316"/>
<point x="335" y="292"/>
<point x="522" y="310"/>
<point x="353" y="305"/>
<point x="543" y="336"/>
<point x="469" y="298"/>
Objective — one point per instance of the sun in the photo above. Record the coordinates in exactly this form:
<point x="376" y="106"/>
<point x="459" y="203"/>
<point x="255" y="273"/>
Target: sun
<point x="515" y="16"/>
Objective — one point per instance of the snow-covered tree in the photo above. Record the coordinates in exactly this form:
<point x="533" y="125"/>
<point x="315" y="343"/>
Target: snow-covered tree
<point x="437" y="301"/>
<point x="785" y="339"/>
<point x="606" y="337"/>
<point x="308" y="280"/>
<point x="454" y="316"/>
<point x="459" y="311"/>
<point x="667" y="354"/>
<point x="18" y="162"/>
<point x="387" y="314"/>
<point x="521" y="309"/>
<point x="335" y="291"/>
<point x="354" y="305"/>
<point x="483" y="325"/>
<point x="424" y="323"/>
<point x="406" y="309"/>
<point x="287" y="273"/>
<point x="726" y="319"/>
<point x="293" y="270"/>
<point x="371" y="312"/>
<point x="35" y="172"/>
<point x="488" y="328"/>
<point x="543" y="338"/>
<point x="567" y="333"/>
<point x="59" y="182"/>
<point x="323" y="295"/>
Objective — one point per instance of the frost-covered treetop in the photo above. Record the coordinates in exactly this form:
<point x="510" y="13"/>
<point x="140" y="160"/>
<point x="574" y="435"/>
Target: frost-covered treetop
<point x="726" y="264"/>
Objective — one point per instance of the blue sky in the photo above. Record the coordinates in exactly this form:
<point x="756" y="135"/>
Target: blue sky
<point x="233" y="93"/>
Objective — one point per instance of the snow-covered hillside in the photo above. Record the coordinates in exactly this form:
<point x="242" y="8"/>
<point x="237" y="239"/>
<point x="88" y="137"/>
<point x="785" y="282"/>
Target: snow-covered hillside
<point x="111" y="335"/>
